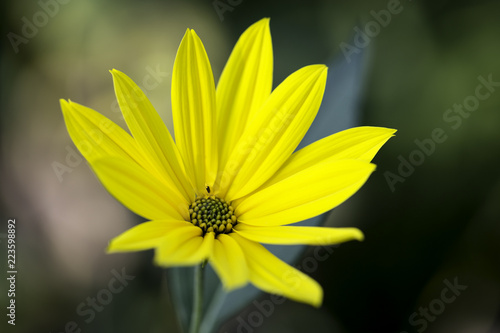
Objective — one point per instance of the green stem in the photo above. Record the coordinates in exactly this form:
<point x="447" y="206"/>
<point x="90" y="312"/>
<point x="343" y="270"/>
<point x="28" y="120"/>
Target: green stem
<point x="197" y="299"/>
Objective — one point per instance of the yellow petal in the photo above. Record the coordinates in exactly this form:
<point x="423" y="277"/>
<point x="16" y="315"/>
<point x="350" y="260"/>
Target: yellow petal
<point x="298" y="235"/>
<point x="193" y="108"/>
<point x="184" y="247"/>
<point x="96" y="136"/>
<point x="229" y="262"/>
<point x="275" y="132"/>
<point x="139" y="191"/>
<point x="244" y="85"/>
<point x="305" y="194"/>
<point x="150" y="133"/>
<point x="144" y="236"/>
<point x="356" y="143"/>
<point x="272" y="275"/>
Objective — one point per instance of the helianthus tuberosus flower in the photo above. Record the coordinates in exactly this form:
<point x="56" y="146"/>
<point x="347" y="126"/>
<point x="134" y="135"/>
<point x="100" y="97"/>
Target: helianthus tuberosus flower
<point x="231" y="180"/>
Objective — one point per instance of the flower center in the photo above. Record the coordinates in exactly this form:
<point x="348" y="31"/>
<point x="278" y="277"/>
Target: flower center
<point x="212" y="214"/>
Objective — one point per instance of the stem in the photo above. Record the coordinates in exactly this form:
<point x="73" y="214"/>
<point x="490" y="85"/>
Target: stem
<point x="197" y="299"/>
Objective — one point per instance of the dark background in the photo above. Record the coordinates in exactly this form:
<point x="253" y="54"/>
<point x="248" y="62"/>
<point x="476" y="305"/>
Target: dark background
<point x="436" y="225"/>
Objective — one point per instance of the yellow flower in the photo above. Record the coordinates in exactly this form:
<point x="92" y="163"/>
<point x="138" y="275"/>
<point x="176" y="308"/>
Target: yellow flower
<point x="231" y="180"/>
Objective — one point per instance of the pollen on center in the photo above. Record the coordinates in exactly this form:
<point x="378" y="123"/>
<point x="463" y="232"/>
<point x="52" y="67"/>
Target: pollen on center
<point x="212" y="214"/>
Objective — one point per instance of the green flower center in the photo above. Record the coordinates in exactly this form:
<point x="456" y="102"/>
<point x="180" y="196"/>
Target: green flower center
<point x="213" y="214"/>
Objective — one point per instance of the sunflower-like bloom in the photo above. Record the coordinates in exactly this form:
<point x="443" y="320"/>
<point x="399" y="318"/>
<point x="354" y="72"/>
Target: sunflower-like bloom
<point x="231" y="180"/>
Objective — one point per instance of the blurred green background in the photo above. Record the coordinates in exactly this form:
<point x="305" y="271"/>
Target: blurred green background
<point x="428" y="225"/>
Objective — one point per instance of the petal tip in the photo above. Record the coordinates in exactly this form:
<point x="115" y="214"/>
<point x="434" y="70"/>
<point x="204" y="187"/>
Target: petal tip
<point x="264" y="21"/>
<point x="116" y="73"/>
<point x="63" y="103"/>
<point x="316" y="300"/>
<point x="111" y="248"/>
<point x="370" y="167"/>
<point x="317" y="303"/>
<point x="318" y="70"/>
<point x="189" y="32"/>
<point x="194" y="35"/>
<point x="359" y="236"/>
<point x="388" y="131"/>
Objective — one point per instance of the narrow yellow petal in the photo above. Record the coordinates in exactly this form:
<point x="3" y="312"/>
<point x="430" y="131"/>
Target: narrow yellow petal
<point x="139" y="191"/>
<point x="355" y="143"/>
<point x="144" y="236"/>
<point x="244" y="85"/>
<point x="275" y="132"/>
<point x="96" y="136"/>
<point x="305" y="194"/>
<point x="184" y="247"/>
<point x="193" y="108"/>
<point x="229" y="262"/>
<point x="151" y="133"/>
<point x="272" y="275"/>
<point x="298" y="235"/>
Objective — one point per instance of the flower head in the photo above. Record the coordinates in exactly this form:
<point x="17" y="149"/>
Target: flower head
<point x="231" y="180"/>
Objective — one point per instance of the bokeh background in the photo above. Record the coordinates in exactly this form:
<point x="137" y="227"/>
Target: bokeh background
<point x="436" y="225"/>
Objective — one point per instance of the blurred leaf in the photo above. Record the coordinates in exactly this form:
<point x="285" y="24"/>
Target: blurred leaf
<point x="180" y="283"/>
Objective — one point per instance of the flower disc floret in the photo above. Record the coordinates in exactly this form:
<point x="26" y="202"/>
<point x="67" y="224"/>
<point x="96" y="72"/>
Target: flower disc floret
<point x="213" y="214"/>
